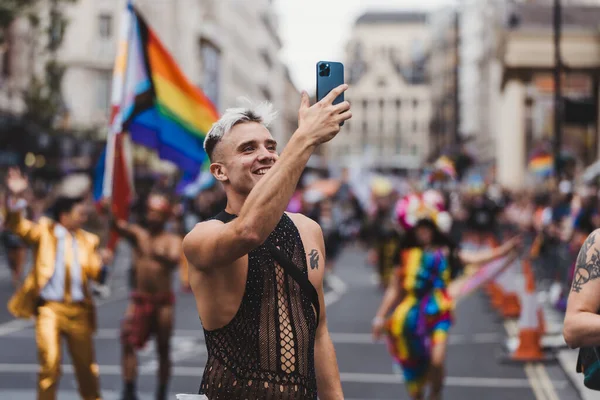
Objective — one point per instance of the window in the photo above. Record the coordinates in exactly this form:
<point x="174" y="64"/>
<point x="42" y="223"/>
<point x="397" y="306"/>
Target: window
<point x="414" y="149"/>
<point x="415" y="103"/>
<point x="267" y="59"/>
<point x="56" y="30"/>
<point x="415" y="126"/>
<point x="398" y="104"/>
<point x="103" y="86"/>
<point x="210" y="56"/>
<point x="266" y="94"/>
<point x="381" y="82"/>
<point x="105" y="26"/>
<point x="364" y="127"/>
<point x="5" y="67"/>
<point x="398" y="141"/>
<point x="365" y="105"/>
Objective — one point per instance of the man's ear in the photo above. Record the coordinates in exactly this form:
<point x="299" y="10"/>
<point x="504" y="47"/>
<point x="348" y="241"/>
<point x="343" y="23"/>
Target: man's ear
<point x="219" y="171"/>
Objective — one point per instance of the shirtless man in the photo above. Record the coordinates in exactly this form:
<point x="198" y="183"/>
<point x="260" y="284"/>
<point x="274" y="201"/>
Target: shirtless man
<point x="156" y="256"/>
<point x="262" y="334"/>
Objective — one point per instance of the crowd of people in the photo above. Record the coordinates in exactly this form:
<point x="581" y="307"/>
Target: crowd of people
<point x="258" y="273"/>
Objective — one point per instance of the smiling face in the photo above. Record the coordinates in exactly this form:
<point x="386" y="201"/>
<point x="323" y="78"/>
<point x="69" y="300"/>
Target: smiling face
<point x="243" y="156"/>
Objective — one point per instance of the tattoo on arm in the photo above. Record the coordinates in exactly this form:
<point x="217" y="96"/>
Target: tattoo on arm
<point x="587" y="267"/>
<point x="314" y="259"/>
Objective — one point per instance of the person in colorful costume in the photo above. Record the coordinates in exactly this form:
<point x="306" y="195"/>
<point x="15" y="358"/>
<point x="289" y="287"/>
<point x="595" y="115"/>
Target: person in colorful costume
<point x="56" y="292"/>
<point x="417" y="329"/>
<point x="384" y="235"/>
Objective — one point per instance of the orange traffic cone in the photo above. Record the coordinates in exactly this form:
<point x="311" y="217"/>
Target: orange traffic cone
<point x="511" y="306"/>
<point x="496" y="291"/>
<point x="530" y="337"/>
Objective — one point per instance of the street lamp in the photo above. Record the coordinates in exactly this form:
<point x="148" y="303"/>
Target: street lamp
<point x="558" y="104"/>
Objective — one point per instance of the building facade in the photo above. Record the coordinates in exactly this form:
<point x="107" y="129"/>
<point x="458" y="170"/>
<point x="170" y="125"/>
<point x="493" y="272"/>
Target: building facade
<point x="385" y="66"/>
<point x="229" y="48"/>
<point x="443" y="70"/>
<point x="479" y="79"/>
<point x="526" y="96"/>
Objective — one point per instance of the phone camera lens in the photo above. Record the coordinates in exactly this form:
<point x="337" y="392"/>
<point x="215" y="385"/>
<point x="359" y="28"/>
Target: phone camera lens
<point x="324" y="70"/>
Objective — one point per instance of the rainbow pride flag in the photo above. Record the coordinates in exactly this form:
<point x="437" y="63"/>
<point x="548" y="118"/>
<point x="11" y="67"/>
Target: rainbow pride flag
<point x="161" y="109"/>
<point x="542" y="165"/>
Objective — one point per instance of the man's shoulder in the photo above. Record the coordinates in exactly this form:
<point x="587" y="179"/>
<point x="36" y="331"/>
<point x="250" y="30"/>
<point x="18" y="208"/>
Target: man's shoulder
<point x="205" y="227"/>
<point x="593" y="239"/>
<point x="304" y="222"/>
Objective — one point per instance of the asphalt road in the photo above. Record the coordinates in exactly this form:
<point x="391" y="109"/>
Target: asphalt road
<point x="474" y="368"/>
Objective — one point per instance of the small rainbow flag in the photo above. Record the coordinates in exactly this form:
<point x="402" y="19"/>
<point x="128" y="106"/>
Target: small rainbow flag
<point x="446" y="165"/>
<point x="542" y="165"/>
<point x="162" y="110"/>
<point x="443" y="170"/>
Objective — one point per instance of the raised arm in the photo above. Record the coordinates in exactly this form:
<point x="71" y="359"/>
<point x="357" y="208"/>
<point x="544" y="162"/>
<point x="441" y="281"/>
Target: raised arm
<point x="212" y="244"/>
<point x="582" y="322"/>
<point x="485" y="256"/>
<point x="16" y="222"/>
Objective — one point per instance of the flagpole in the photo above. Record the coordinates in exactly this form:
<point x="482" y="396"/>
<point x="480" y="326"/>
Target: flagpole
<point x="118" y="94"/>
<point x="126" y="140"/>
<point x="114" y="150"/>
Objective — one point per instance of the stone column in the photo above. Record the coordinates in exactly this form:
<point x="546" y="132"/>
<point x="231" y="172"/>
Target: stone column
<point x="510" y="142"/>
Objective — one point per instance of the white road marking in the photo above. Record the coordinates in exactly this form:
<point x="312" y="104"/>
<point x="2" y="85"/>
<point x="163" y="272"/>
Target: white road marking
<point x="366" y="338"/>
<point x="338" y="288"/>
<point x="543" y="387"/>
<point x="196" y="336"/>
<point x="534" y="383"/>
<point x="13" y="326"/>
<point x="547" y="384"/>
<point x="182" y="349"/>
<point x="349" y="377"/>
<point x="16" y="325"/>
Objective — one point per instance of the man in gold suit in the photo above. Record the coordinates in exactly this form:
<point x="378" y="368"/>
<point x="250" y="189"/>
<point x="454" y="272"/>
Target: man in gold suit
<point x="56" y="291"/>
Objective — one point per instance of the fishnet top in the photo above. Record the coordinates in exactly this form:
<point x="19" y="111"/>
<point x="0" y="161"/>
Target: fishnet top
<point x="266" y="352"/>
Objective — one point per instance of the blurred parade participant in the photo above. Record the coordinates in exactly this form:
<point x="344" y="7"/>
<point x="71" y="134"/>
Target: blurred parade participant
<point x="383" y="233"/>
<point x="16" y="253"/>
<point x="56" y="291"/>
<point x="256" y="271"/>
<point x="321" y="209"/>
<point x="482" y="219"/>
<point x="418" y="327"/>
<point x="156" y="255"/>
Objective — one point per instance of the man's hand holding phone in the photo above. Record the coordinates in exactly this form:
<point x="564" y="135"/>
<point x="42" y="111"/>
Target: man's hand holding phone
<point x="321" y="122"/>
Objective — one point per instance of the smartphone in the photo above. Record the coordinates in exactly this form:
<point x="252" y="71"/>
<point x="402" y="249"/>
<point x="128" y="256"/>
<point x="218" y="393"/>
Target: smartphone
<point x="330" y="75"/>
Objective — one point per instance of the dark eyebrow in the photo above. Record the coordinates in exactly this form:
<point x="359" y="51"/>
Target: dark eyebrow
<point x="242" y="145"/>
<point x="269" y="142"/>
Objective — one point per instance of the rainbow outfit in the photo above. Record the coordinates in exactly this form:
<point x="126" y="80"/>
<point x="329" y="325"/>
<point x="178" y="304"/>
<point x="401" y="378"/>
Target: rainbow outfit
<point x="424" y="316"/>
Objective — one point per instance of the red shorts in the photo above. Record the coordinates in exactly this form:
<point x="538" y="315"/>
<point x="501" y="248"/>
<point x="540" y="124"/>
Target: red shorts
<point x="137" y="328"/>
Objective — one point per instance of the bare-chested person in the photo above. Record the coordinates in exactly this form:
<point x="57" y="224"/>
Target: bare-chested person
<point x="264" y="336"/>
<point x="156" y="256"/>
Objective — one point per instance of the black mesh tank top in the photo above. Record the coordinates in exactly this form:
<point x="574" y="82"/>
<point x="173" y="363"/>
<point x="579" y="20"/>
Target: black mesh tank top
<point x="266" y="352"/>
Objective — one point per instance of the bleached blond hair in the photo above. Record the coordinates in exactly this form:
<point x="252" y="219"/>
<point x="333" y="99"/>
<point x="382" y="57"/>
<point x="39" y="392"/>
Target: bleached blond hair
<point x="263" y="113"/>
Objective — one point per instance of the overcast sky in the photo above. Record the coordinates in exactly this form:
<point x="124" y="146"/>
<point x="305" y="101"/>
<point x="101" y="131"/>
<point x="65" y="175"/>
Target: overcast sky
<point x="315" y="30"/>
